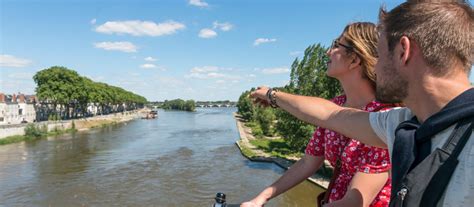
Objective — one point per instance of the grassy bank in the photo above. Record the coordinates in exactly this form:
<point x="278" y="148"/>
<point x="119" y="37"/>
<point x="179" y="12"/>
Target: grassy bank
<point x="275" y="147"/>
<point x="34" y="134"/>
<point x="256" y="146"/>
<point x="267" y="146"/>
<point x="247" y="152"/>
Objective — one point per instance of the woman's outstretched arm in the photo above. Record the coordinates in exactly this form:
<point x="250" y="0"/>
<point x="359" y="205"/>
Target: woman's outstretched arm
<point x="362" y="191"/>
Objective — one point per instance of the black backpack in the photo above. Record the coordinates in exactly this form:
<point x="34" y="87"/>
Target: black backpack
<point x="425" y="184"/>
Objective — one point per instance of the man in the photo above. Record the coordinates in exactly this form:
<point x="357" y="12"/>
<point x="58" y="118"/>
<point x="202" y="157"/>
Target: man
<point x="425" y="51"/>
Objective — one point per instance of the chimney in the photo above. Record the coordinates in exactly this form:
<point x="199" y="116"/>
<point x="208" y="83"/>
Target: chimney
<point x="2" y="98"/>
<point x="31" y="99"/>
<point x="22" y="98"/>
<point x="14" y="98"/>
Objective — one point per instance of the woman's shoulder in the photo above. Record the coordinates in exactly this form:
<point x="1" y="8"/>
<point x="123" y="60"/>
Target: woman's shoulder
<point x="339" y="100"/>
<point x="379" y="106"/>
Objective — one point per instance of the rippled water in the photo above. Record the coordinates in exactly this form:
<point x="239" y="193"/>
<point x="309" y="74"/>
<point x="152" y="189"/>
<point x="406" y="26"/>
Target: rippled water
<point x="179" y="159"/>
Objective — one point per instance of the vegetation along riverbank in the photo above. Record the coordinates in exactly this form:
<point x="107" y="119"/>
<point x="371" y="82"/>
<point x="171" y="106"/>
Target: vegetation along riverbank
<point x="39" y="130"/>
<point x="273" y="149"/>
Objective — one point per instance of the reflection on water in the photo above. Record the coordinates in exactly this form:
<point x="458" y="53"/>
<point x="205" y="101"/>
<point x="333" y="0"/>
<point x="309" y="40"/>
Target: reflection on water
<point x="180" y="159"/>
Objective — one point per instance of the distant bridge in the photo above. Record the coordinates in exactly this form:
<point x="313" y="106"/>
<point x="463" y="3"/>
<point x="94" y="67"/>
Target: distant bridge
<point x="215" y="105"/>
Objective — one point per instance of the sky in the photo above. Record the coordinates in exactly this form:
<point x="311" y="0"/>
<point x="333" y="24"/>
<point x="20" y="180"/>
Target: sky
<point x="205" y="50"/>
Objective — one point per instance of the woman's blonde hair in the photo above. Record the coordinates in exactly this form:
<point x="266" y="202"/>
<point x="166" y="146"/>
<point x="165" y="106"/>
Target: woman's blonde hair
<point x="363" y="37"/>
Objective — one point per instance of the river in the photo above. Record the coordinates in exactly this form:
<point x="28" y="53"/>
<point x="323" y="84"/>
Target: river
<point x="179" y="159"/>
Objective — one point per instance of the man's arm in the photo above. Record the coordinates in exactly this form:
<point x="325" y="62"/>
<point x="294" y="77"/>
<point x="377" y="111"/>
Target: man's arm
<point x="350" y="122"/>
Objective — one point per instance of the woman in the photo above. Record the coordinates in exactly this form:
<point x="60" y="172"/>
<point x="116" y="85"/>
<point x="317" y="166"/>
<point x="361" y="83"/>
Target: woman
<point x="363" y="177"/>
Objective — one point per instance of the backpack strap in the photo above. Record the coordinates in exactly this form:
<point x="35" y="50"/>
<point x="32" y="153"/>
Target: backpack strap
<point x="440" y="180"/>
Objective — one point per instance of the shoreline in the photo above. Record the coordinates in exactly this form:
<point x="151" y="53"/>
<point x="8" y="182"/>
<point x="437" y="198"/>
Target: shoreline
<point x="55" y="128"/>
<point x="256" y="155"/>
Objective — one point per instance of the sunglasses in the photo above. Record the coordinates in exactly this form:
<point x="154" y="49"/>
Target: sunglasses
<point x="336" y="44"/>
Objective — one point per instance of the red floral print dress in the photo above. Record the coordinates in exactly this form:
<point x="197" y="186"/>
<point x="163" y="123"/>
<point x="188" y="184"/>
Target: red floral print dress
<point x="356" y="156"/>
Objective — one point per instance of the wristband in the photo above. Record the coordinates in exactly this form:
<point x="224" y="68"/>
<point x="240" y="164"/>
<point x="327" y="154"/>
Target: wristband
<point x="271" y="96"/>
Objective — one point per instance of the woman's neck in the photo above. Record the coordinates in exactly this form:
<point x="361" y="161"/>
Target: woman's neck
<point x="359" y="92"/>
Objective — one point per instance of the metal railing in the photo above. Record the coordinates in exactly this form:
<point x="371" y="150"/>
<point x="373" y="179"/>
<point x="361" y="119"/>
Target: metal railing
<point x="221" y="202"/>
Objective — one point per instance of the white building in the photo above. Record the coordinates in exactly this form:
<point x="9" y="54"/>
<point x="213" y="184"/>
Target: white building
<point x="17" y="109"/>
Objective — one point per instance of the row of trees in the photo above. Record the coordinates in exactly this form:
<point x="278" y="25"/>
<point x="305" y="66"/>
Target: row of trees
<point x="65" y="94"/>
<point x="308" y="77"/>
<point x="179" y="104"/>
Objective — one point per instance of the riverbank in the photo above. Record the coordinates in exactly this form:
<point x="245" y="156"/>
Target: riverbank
<point x="253" y="153"/>
<point x="16" y="133"/>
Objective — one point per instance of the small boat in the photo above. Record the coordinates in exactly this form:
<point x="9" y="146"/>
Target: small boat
<point x="151" y="115"/>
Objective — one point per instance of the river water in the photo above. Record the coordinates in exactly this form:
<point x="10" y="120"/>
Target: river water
<point x="179" y="159"/>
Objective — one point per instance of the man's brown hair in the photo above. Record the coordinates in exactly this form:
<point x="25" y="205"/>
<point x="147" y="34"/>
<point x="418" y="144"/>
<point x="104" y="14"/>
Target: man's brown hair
<point x="443" y="30"/>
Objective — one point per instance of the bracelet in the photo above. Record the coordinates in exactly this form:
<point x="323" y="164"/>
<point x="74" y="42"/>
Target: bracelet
<point x="271" y="96"/>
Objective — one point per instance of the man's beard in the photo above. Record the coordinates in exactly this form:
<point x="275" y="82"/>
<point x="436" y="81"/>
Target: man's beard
<point x="392" y="88"/>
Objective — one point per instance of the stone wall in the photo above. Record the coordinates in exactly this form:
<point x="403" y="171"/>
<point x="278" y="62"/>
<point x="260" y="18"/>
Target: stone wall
<point x="19" y="129"/>
<point x="80" y="124"/>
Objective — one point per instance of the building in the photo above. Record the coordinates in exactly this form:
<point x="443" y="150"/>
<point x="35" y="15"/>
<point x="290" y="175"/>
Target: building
<point x="16" y="109"/>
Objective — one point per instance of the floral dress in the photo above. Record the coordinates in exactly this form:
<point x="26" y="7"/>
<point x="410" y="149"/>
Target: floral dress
<point x="356" y="156"/>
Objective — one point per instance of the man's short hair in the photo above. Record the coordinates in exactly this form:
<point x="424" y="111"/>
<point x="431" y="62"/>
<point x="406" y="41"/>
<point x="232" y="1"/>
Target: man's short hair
<point x="443" y="29"/>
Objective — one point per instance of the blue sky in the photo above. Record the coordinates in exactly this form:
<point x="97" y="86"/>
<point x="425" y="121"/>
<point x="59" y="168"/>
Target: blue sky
<point x="167" y="49"/>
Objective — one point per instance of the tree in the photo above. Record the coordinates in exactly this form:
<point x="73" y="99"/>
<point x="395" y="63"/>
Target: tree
<point x="245" y="107"/>
<point x="179" y="104"/>
<point x="308" y="77"/>
<point x="190" y="105"/>
<point x="265" y="118"/>
<point x="60" y="87"/>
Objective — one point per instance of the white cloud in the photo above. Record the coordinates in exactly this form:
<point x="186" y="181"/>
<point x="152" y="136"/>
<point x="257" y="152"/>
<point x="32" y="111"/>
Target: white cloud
<point x="21" y="76"/>
<point x="147" y="66"/>
<point x="140" y="28"/>
<point x="210" y="72"/>
<point x="11" y="86"/>
<point x="207" y="33"/>
<point x="198" y="3"/>
<point x="204" y="69"/>
<point x="205" y="75"/>
<point x="119" y="46"/>
<point x="150" y="59"/>
<point x="226" y="26"/>
<point x="263" y="40"/>
<point x="275" y="70"/>
<point x="215" y="75"/>
<point x="12" y="61"/>
<point x="295" y="53"/>
<point x="93" y="21"/>
<point x="252" y="76"/>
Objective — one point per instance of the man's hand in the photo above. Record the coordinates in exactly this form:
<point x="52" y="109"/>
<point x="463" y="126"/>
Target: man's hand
<point x="260" y="96"/>
<point x="251" y="203"/>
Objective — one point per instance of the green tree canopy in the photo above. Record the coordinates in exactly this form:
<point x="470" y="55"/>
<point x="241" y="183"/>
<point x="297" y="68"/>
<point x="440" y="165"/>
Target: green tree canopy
<point x="179" y="104"/>
<point x="60" y="86"/>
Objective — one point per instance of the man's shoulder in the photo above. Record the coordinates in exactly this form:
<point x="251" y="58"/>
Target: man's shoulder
<point x="384" y="123"/>
<point x="394" y="115"/>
